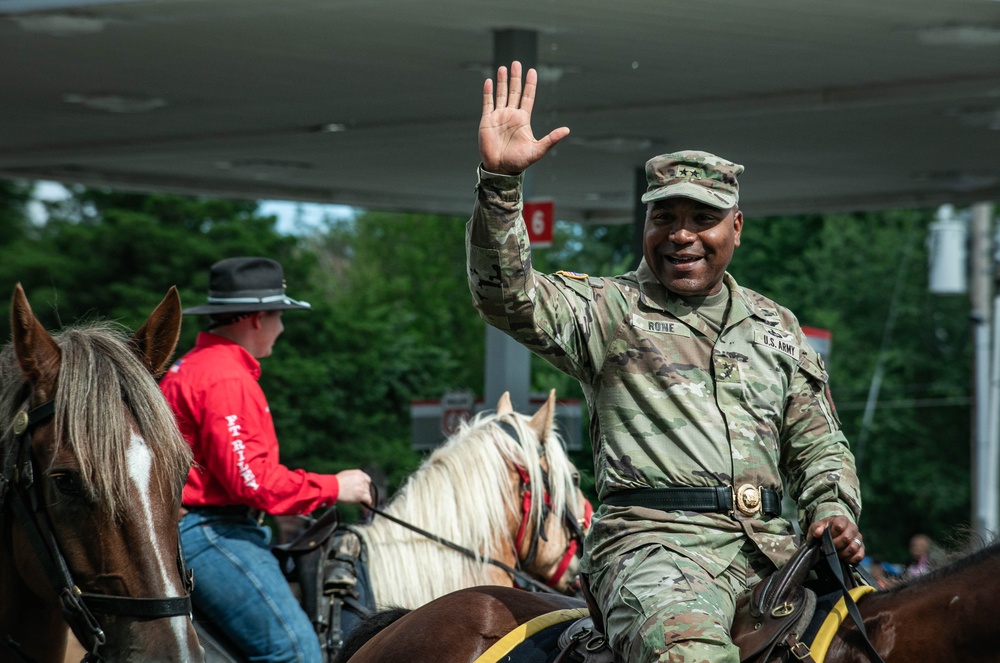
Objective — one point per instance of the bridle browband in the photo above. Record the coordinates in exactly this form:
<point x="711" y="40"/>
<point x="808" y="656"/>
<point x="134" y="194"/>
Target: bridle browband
<point x="78" y="607"/>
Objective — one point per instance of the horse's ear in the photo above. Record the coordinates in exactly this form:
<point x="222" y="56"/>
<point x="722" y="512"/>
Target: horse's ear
<point x="541" y="421"/>
<point x="155" y="341"/>
<point x="37" y="353"/>
<point x="503" y="405"/>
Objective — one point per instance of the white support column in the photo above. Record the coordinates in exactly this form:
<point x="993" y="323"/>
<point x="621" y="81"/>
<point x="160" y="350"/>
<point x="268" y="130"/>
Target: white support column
<point x="986" y="451"/>
<point x="508" y="363"/>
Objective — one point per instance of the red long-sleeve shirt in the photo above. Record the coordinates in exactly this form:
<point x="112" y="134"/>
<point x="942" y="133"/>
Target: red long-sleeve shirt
<point x="224" y="416"/>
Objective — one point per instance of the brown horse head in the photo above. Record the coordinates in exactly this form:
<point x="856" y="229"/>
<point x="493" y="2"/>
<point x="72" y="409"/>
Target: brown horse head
<point x="94" y="466"/>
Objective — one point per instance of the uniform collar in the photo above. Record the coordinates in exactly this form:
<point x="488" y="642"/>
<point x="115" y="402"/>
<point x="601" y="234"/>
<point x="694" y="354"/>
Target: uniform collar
<point x="653" y="294"/>
<point x="237" y="351"/>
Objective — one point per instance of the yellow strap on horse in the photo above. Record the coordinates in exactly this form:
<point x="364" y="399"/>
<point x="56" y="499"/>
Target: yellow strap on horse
<point x="832" y="622"/>
<point x="506" y="644"/>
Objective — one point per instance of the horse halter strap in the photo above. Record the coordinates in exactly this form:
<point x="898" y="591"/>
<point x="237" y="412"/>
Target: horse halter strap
<point x="576" y="540"/>
<point x="77" y="606"/>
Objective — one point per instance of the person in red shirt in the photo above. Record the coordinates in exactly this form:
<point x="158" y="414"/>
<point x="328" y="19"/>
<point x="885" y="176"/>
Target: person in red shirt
<point x="237" y="476"/>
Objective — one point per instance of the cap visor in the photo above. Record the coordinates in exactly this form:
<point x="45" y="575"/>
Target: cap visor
<point x="694" y="192"/>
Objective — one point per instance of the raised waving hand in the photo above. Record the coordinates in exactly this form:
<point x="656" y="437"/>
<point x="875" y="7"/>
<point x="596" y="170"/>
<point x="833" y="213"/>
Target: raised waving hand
<point x="506" y="143"/>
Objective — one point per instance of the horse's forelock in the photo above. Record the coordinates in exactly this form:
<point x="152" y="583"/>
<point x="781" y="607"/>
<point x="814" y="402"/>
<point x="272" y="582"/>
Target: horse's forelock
<point x="104" y="395"/>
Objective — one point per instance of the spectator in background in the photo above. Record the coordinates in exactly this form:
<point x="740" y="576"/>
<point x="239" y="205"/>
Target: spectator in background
<point x="884" y="574"/>
<point x="924" y="554"/>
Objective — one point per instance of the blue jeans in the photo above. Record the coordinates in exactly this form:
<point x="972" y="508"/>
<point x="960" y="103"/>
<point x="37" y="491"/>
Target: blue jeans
<point x="240" y="587"/>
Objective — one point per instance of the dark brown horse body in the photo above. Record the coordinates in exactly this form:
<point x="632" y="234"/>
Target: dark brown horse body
<point x="944" y="617"/>
<point x="458" y="627"/>
<point x="92" y="468"/>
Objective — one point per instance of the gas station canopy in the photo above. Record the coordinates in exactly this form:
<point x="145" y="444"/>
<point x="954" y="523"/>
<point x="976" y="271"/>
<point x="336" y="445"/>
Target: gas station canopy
<point x="830" y="105"/>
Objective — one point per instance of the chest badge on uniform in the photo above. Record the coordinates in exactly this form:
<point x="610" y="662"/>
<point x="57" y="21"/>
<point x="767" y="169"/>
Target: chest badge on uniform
<point x="726" y="369"/>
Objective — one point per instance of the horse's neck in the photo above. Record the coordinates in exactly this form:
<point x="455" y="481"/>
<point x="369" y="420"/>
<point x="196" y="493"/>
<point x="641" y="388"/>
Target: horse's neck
<point x="945" y="617"/>
<point x="409" y="570"/>
<point x="460" y="498"/>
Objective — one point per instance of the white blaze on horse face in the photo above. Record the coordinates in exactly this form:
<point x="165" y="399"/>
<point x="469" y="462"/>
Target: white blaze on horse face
<point x="140" y="470"/>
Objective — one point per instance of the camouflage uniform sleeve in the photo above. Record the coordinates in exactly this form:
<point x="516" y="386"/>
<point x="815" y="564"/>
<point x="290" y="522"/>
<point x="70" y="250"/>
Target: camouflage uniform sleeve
<point x="815" y="455"/>
<point x="552" y="316"/>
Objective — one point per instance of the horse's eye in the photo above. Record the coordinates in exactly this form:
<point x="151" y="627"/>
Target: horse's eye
<point x="576" y="479"/>
<point x="67" y="483"/>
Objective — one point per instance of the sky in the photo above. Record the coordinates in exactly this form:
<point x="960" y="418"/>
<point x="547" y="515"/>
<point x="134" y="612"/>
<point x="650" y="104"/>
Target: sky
<point x="293" y="217"/>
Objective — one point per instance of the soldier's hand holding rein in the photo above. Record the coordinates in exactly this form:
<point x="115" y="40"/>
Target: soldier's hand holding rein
<point x="846" y="537"/>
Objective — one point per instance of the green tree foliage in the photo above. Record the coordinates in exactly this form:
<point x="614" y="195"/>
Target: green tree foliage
<point x="397" y="326"/>
<point x="839" y="272"/>
<point x="114" y="255"/>
<point x="14" y="222"/>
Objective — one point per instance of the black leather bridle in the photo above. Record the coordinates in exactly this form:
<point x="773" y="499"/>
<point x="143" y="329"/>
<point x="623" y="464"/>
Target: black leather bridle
<point x="17" y="482"/>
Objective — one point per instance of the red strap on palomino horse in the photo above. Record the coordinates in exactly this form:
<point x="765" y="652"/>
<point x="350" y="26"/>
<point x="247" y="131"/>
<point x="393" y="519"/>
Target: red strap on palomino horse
<point x="578" y="528"/>
<point x="575" y="543"/>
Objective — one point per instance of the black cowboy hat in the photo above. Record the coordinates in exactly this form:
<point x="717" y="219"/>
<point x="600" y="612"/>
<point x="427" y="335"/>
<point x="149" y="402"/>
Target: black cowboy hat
<point x="244" y="285"/>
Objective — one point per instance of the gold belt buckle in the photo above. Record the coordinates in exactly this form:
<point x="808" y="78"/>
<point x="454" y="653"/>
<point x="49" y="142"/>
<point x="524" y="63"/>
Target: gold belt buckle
<point x="748" y="499"/>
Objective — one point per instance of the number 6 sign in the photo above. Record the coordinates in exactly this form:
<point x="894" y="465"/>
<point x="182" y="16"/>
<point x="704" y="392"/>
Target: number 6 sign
<point x="539" y="217"/>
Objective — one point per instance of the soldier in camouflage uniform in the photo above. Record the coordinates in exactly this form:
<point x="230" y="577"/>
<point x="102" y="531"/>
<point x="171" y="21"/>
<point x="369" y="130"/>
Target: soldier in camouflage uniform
<point x="703" y="394"/>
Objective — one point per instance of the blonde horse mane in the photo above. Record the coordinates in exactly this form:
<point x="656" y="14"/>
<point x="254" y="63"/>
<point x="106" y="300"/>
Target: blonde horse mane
<point x="463" y="493"/>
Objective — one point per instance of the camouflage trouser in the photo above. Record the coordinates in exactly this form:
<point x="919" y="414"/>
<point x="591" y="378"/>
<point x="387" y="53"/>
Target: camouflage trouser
<point x="661" y="606"/>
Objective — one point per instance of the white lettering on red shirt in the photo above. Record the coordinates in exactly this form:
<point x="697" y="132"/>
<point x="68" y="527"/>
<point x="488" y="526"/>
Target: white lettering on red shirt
<point x="249" y="479"/>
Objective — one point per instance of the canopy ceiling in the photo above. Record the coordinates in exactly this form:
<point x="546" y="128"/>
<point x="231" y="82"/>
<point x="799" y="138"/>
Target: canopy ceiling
<point x="375" y="103"/>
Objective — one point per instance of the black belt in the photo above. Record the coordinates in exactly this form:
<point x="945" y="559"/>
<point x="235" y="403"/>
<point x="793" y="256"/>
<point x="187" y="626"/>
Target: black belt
<point x="717" y="499"/>
<point x="235" y="511"/>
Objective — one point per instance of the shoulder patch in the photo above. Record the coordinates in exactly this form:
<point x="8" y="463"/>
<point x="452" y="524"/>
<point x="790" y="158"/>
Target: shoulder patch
<point x="573" y="275"/>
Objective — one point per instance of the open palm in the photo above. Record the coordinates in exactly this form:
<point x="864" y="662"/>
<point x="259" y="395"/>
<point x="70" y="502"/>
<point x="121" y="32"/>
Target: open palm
<point x="506" y="142"/>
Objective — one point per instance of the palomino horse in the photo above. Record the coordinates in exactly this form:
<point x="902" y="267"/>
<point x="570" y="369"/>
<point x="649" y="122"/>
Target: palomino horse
<point x="503" y="487"/>
<point x="943" y="617"/>
<point x="92" y="467"/>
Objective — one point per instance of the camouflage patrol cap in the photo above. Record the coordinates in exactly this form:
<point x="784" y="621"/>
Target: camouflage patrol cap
<point x="692" y="174"/>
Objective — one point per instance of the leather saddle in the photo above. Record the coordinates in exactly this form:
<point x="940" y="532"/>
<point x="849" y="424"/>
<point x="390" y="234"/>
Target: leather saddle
<point x="770" y="620"/>
<point x="584" y="641"/>
<point x="327" y="564"/>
